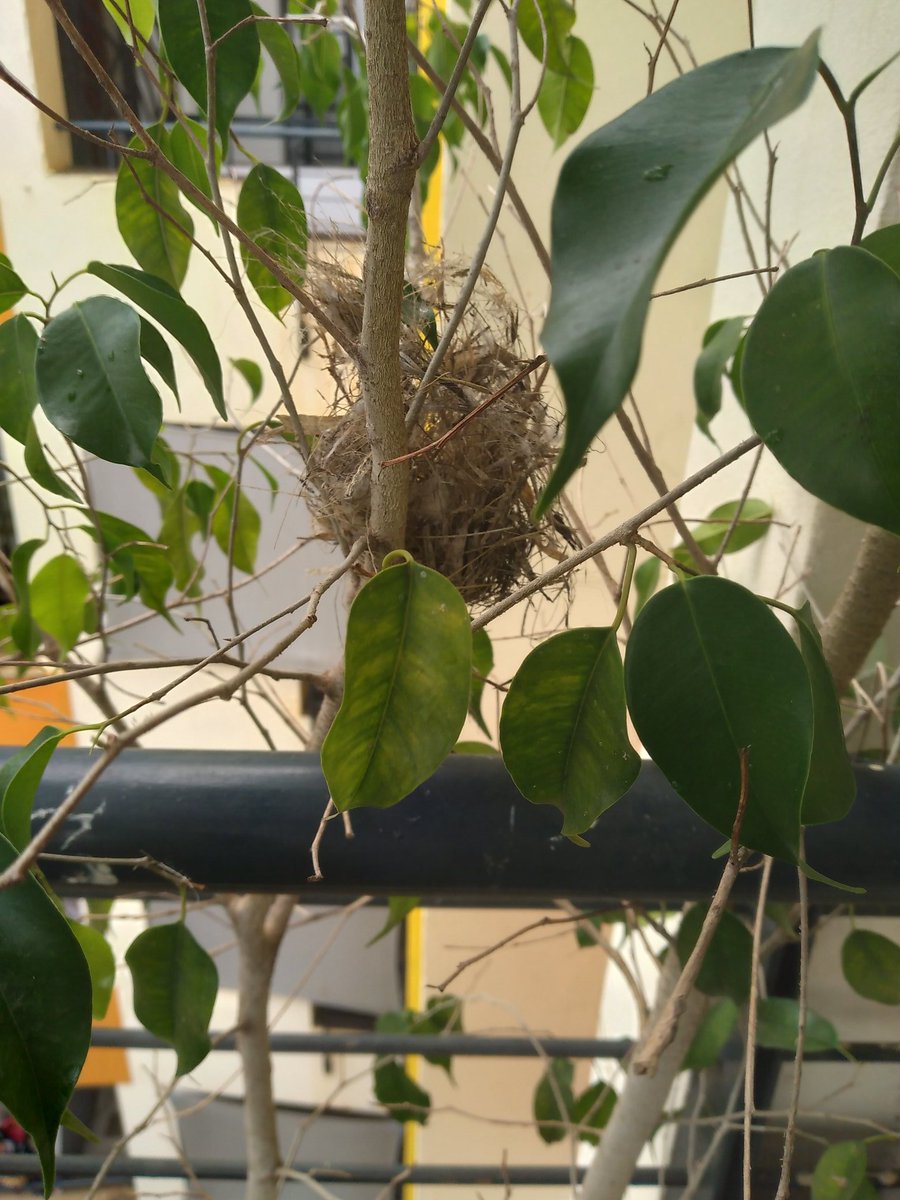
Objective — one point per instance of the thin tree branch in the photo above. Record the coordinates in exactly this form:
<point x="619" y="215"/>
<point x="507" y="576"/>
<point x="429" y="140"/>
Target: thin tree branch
<point x="440" y="116"/>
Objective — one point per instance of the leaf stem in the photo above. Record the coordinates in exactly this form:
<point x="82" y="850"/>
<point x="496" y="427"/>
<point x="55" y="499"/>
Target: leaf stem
<point x="625" y="590"/>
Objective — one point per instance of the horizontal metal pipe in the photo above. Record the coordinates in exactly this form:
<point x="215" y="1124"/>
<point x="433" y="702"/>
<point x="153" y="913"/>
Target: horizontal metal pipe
<point x="241" y="128"/>
<point x="244" y="821"/>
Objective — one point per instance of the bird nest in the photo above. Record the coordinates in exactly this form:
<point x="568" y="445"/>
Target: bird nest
<point x="471" y="497"/>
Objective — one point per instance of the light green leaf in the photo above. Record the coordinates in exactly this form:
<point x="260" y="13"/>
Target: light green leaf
<point x="143" y="17"/>
<point x="175" y="985"/>
<point x="547" y="23"/>
<point x="279" y="46"/>
<point x="179" y="526"/>
<point x="592" y="1110"/>
<point x="353" y="120"/>
<point x="719" y="345"/>
<point x="237" y="54"/>
<point x="24" y="632"/>
<point x="712" y="1037"/>
<point x="101" y="964"/>
<point x="12" y="289"/>
<point x="154" y="224"/>
<point x="726" y="967"/>
<point x="884" y="244"/>
<point x="92" y="386"/>
<point x="840" y="1172"/>
<point x="321" y="71"/>
<point x="778" y="1019"/>
<point x="402" y="1096"/>
<point x="553" y="1100"/>
<point x="467" y="747"/>
<point x="871" y="965"/>
<point x="622" y="197"/>
<point x="408" y="663"/>
<point x="270" y="210"/>
<point x="563" y="731"/>
<point x="187" y="151"/>
<point x="41" y="471"/>
<point x="20" y="777"/>
<point x="246" y="527"/>
<point x="59" y="592"/>
<point x="45" y="1012"/>
<point x="251" y="373"/>
<point x="710" y="671"/>
<point x="565" y="98"/>
<point x="645" y="581"/>
<point x="821" y="378"/>
<point x="482" y="665"/>
<point x="164" y="305"/>
<point x="18" y="391"/>
<point x="753" y="524"/>
<point x="399" y="908"/>
<point x="69" y="1121"/>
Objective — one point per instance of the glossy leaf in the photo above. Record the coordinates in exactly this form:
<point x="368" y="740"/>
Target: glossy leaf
<point x="563" y="731"/>
<point x="20" y="777"/>
<point x="712" y="1037"/>
<point x="884" y="244"/>
<point x="592" y="1110"/>
<point x="143" y="565"/>
<point x="45" y="1012"/>
<point x="251" y="372"/>
<point x="153" y="222"/>
<point x="399" y="908"/>
<point x="142" y="14"/>
<point x="155" y="350"/>
<point x="187" y="150"/>
<point x="175" y="985"/>
<point x="101" y="965"/>
<point x="821" y="378"/>
<point x="40" y="470"/>
<point x="553" y="1100"/>
<point x="871" y="965"/>
<point x="831" y="785"/>
<point x="402" y="1096"/>
<point x="24" y="632"/>
<point x="408" y="664"/>
<point x="777" y="1021"/>
<point x="544" y="26"/>
<point x="238" y="538"/>
<point x="91" y="384"/>
<point x="709" y="671"/>
<point x="719" y="345"/>
<point x="237" y="54"/>
<point x="164" y="305"/>
<point x="482" y="665"/>
<point x="840" y="1172"/>
<point x="622" y="197"/>
<point x="18" y="391"/>
<point x="565" y="98"/>
<point x="321" y="71"/>
<point x="12" y="289"/>
<point x="726" y="967"/>
<point x="59" y="592"/>
<point x="279" y="46"/>
<point x="270" y="210"/>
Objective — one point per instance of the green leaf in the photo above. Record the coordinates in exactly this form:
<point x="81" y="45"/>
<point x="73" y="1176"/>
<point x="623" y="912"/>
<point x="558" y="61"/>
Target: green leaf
<point x="399" y="908"/>
<point x="778" y="1019"/>
<point x="563" y="731"/>
<point x="831" y="785"/>
<point x="592" y="1110"/>
<point x="553" y="1100"/>
<point x="871" y="965"/>
<point x="18" y="391"/>
<point x="175" y="985"/>
<point x="321" y="71"/>
<point x="840" y="1172"/>
<point x="622" y="197"/>
<point x="727" y="965"/>
<point x="710" y="671"/>
<point x="402" y="1096"/>
<point x="101" y="964"/>
<point x="753" y="524"/>
<point x="885" y="244"/>
<point x="277" y="43"/>
<point x="69" y="1121"/>
<point x="45" y="1012"/>
<point x="246" y="527"/>
<point x="143" y="17"/>
<point x="20" y="777"/>
<point x="144" y="565"/>
<point x="251" y="373"/>
<point x="200" y="499"/>
<point x="547" y="23"/>
<point x="482" y="665"/>
<point x="353" y="120"/>
<point x="237" y="55"/>
<point x="712" y="1037"/>
<point x="40" y="470"/>
<point x="270" y="210"/>
<point x="408" y="664"/>
<point x="189" y="156"/>
<point x="719" y="345"/>
<point x="59" y="592"/>
<point x="154" y="224"/>
<point x="92" y="386"/>
<point x="565" y="98"/>
<point x="443" y="1014"/>
<point x="467" y="747"/>
<point x="645" y="581"/>
<point x="24" y="632"/>
<point x="821" y="378"/>
<point x="155" y="350"/>
<point x="164" y="305"/>
<point x="179" y="526"/>
<point x="12" y="289"/>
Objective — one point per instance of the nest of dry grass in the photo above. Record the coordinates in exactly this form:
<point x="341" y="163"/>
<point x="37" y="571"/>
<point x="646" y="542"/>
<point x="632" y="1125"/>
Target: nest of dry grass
<point x="470" y="500"/>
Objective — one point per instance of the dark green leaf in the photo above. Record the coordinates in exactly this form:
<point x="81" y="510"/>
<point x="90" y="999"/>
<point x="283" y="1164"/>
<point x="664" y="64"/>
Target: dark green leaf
<point x="279" y="46"/>
<point x="270" y="210"/>
<point x="565" y="98"/>
<point x="777" y="1023"/>
<point x="175" y="985"/>
<point x="646" y="579"/>
<point x="200" y="499"/>
<point x="885" y="244"/>
<point x="821" y="379"/>
<point x="59" y="592"/>
<point x="154" y="224"/>
<point x="92" y="386"/>
<point x="236" y="537"/>
<point x="545" y="26"/>
<point x="20" y="777"/>
<point x="252" y="374"/>
<point x="237" y="55"/>
<point x="408" y="664"/>
<point x="40" y="470"/>
<point x="155" y="350"/>
<point x="403" y="1098"/>
<point x="143" y="564"/>
<point x="399" y="908"/>
<point x="710" y="671"/>
<point x="711" y="1038"/>
<point x="840" y="1172"/>
<point x="12" y="289"/>
<point x="553" y="1100"/>
<point x="563" y="730"/>
<point x="18" y="392"/>
<point x="321" y="71"/>
<point x="24" y="632"/>
<point x="164" y="304"/>
<point x="871" y="965"/>
<point x="592" y="1110"/>
<point x="719" y="345"/>
<point x="726" y="967"/>
<point x="622" y="198"/>
<point x="482" y="665"/>
<point x="443" y="1014"/>
<point x="101" y="964"/>
<point x="45" y="1012"/>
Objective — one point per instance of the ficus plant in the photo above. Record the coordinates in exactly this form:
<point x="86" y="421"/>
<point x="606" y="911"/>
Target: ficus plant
<point x="816" y="369"/>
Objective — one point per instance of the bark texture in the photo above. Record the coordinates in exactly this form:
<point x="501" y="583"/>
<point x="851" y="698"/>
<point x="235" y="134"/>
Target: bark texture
<point x="863" y="608"/>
